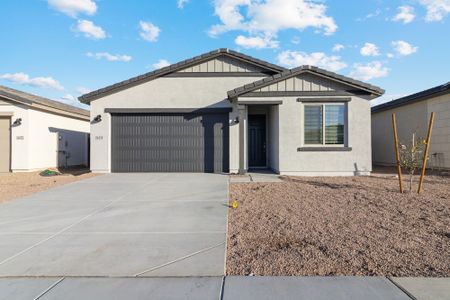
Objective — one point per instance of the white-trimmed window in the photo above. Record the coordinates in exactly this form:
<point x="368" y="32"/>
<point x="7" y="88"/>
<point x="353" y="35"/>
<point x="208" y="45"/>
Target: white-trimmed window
<point x="324" y="124"/>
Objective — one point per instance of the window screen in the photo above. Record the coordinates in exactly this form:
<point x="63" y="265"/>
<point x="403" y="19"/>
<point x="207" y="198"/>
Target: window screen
<point x="313" y="124"/>
<point x="324" y="124"/>
<point x="334" y="124"/>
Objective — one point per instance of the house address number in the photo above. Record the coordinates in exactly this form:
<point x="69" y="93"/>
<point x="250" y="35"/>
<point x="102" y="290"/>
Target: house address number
<point x="99" y="137"/>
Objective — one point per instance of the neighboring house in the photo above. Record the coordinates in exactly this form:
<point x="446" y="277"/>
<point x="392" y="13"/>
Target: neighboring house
<point x="413" y="114"/>
<point x="38" y="133"/>
<point x="224" y="111"/>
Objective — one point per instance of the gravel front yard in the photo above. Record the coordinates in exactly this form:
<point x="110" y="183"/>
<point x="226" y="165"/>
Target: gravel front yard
<point x="15" y="185"/>
<point x="339" y="226"/>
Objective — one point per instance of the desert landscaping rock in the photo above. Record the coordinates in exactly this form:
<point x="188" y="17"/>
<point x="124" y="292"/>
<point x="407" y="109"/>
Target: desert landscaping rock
<point x="339" y="226"/>
<point x="15" y="185"/>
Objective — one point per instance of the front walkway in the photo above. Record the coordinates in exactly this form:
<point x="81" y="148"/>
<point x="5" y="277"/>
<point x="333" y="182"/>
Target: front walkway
<point x="229" y="288"/>
<point x="118" y="225"/>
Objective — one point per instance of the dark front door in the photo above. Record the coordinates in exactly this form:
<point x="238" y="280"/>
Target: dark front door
<point x="257" y="141"/>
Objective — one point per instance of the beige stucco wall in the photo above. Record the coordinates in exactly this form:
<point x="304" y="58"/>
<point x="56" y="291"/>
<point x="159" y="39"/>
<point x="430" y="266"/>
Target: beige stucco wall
<point x="34" y="143"/>
<point x="440" y="141"/>
<point x="410" y="118"/>
<point x="164" y="92"/>
<point x="414" y="118"/>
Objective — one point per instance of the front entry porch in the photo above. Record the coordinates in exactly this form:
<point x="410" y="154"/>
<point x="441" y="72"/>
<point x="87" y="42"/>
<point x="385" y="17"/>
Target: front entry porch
<point x="258" y="130"/>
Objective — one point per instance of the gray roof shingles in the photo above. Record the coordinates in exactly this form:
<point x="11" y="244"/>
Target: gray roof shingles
<point x="176" y="67"/>
<point x="420" y="96"/>
<point x="28" y="98"/>
<point x="293" y="72"/>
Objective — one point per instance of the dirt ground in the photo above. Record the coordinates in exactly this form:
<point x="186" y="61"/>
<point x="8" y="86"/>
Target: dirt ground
<point x="339" y="226"/>
<point x="15" y="185"/>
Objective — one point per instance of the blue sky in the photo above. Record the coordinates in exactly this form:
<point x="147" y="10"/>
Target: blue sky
<point x="63" y="48"/>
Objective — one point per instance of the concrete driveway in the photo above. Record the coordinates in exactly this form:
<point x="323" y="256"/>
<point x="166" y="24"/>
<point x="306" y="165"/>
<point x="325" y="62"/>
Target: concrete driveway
<point x="155" y="224"/>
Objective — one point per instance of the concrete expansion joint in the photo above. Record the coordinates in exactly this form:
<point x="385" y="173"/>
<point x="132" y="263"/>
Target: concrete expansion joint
<point x="401" y="288"/>
<point x="49" y="288"/>
<point x="179" y="259"/>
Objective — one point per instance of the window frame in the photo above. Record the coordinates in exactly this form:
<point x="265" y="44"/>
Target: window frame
<point x="323" y="144"/>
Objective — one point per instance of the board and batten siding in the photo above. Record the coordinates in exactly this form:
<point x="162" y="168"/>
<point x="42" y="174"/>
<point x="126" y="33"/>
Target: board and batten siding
<point x="304" y="83"/>
<point x="222" y="64"/>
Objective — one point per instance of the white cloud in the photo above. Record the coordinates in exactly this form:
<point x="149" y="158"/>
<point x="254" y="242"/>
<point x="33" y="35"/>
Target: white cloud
<point x="403" y="48"/>
<point x="161" y="64"/>
<point x="25" y="79"/>
<point x="72" y="100"/>
<point x="390" y="55"/>
<point x="337" y="47"/>
<point x="295" y="40"/>
<point x="405" y="14"/>
<point x="68" y="98"/>
<point x="256" y="42"/>
<point x="370" y="15"/>
<point x="369" y="49"/>
<point x="90" y="30"/>
<point x="436" y="9"/>
<point x="271" y="16"/>
<point x="82" y="90"/>
<point x="74" y="7"/>
<point x="109" y="57"/>
<point x="374" y="69"/>
<point x="294" y="59"/>
<point x="181" y="3"/>
<point x="149" y="31"/>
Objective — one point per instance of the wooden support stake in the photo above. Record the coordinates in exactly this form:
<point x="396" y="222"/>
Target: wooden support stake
<point x="425" y="154"/>
<point x="397" y="153"/>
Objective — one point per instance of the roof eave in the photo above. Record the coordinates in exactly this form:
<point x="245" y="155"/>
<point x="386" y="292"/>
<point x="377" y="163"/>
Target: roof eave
<point x="373" y="90"/>
<point x="413" y="98"/>
<point x="111" y="89"/>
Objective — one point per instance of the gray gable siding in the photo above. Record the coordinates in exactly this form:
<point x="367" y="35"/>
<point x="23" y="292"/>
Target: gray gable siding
<point x="305" y="82"/>
<point x="223" y="64"/>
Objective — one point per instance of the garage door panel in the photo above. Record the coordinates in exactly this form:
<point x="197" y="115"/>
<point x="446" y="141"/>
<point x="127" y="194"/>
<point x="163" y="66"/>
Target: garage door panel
<point x="170" y="142"/>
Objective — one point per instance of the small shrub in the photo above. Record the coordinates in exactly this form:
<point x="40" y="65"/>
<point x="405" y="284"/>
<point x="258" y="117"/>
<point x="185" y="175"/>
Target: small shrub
<point x="411" y="156"/>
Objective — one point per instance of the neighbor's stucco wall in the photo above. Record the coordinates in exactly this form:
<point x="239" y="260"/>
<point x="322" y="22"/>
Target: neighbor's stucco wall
<point x="34" y="143"/>
<point x="410" y="119"/>
<point x="164" y="92"/>
<point x="19" y="134"/>
<point x="44" y="129"/>
<point x="440" y="141"/>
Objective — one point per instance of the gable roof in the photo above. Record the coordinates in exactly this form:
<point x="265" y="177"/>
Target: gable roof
<point x="420" y="96"/>
<point x="271" y="68"/>
<point x="299" y="70"/>
<point x="42" y="103"/>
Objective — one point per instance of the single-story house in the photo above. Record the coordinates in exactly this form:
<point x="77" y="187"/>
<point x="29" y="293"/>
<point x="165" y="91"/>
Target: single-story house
<point x="38" y="133"/>
<point x="224" y="111"/>
<point x="413" y="114"/>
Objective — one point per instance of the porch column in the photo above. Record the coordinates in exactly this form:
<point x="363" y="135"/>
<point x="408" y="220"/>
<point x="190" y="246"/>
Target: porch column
<point x="242" y="120"/>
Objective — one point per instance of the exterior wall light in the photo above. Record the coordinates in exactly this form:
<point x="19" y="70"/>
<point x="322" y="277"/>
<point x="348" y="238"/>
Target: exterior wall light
<point x="18" y="122"/>
<point x="98" y="118"/>
<point x="236" y="120"/>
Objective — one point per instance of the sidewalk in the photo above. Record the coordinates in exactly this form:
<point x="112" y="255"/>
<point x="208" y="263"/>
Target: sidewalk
<point x="233" y="287"/>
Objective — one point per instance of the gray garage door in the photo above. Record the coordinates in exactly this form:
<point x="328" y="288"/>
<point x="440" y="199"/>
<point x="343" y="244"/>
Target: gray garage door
<point x="170" y="142"/>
